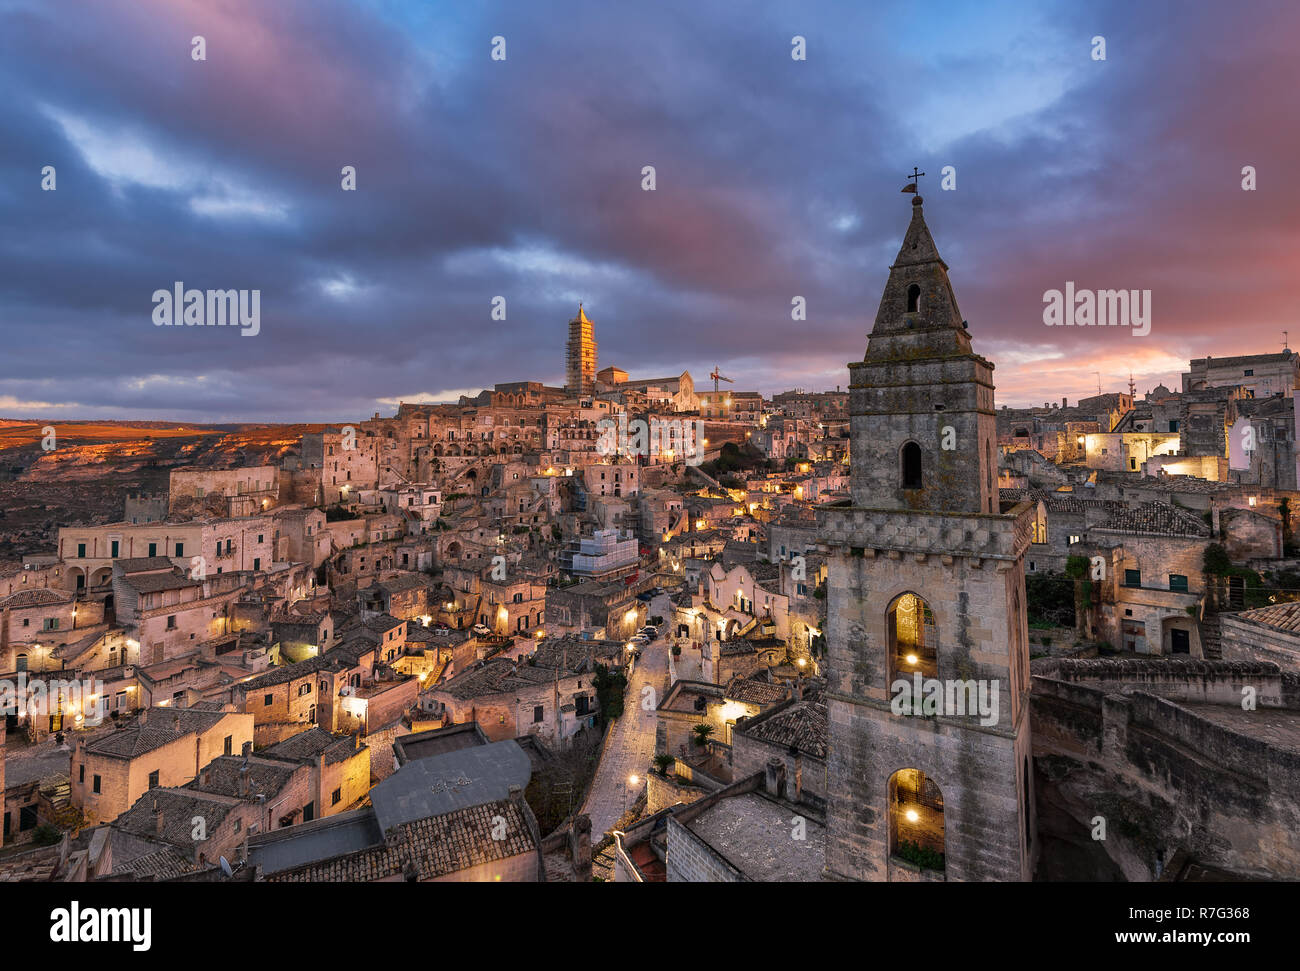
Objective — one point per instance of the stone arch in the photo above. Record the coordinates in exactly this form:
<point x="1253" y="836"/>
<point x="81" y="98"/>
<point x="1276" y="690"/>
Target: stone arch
<point x="916" y="824"/>
<point x="913" y="638"/>
<point x="913" y="298"/>
<point x="909" y="466"/>
<point x="101" y="576"/>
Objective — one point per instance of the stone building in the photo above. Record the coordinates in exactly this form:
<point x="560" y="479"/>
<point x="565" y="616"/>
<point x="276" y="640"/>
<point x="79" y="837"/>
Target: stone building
<point x="1262" y="375"/>
<point x="926" y="582"/>
<point x="165" y="747"/>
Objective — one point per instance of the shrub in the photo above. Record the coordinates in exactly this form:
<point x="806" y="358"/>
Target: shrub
<point x="663" y="762"/>
<point x="922" y="856"/>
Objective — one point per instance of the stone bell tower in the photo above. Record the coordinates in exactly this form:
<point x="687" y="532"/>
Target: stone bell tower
<point x="926" y="589"/>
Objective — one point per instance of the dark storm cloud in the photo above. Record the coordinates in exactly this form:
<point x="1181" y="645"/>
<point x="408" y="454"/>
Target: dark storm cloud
<point x="521" y="178"/>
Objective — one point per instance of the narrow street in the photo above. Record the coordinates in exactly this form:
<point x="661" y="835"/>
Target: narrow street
<point x="631" y="743"/>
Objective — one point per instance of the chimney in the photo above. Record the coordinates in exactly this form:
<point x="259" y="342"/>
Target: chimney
<point x="144" y="716"/>
<point x="157" y="818"/>
<point x="247" y="750"/>
<point x="243" y="781"/>
<point x="516" y="794"/>
<point x="797" y="785"/>
<point x="1065" y="403"/>
<point x="176" y="721"/>
<point x="798" y="689"/>
<point x="774" y="778"/>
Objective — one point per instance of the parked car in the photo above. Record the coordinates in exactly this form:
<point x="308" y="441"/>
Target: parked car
<point x="650" y="632"/>
<point x="640" y="639"/>
<point x="481" y="630"/>
<point x="442" y="630"/>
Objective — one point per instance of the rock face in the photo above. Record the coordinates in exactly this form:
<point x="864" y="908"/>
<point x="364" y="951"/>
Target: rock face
<point x="926" y="576"/>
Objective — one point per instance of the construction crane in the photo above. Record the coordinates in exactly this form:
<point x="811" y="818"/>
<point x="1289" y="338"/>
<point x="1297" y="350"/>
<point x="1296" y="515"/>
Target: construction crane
<point x="718" y="377"/>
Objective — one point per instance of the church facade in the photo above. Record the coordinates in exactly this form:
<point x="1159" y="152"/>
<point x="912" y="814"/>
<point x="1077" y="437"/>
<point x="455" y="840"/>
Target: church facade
<point x="930" y="767"/>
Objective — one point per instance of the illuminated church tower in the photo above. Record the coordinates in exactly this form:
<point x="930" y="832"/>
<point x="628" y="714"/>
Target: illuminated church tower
<point x="580" y="355"/>
<point x="926" y="577"/>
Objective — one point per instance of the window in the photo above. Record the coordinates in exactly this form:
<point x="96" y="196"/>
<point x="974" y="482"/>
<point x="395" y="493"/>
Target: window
<point x="916" y="814"/>
<point x="537" y="714"/>
<point x="911" y="457"/>
<point x="1132" y="578"/>
<point x="1250" y="372"/>
<point x="266" y="700"/>
<point x="304" y="689"/>
<point x="81" y="774"/>
<point x="153" y="779"/>
<point x="336" y="797"/>
<point x="153" y="549"/>
<point x="81" y="551"/>
<point x="94" y="783"/>
<point x="227" y="745"/>
<point x="114" y="546"/>
<point x="180" y="549"/>
<point x="50" y="623"/>
<point x="1178" y="582"/>
<point x="914" y="637"/>
<point x="1074" y="538"/>
<point x="171" y="622"/>
<point x="913" y="299"/>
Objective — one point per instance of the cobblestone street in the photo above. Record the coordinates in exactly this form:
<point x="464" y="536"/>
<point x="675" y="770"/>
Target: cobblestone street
<point x="631" y="743"/>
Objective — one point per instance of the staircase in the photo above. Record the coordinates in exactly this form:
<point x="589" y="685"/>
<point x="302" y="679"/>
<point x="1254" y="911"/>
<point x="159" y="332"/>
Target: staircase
<point x="1211" y="645"/>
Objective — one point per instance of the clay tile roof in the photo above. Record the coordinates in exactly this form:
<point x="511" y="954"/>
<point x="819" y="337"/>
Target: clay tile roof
<point x="144" y="564"/>
<point x="755" y="692"/>
<point x="432" y="847"/>
<point x="39" y="597"/>
<point x="1158" y="519"/>
<point x="803" y="725"/>
<point x="1280" y="616"/>
<point x="155" y="582"/>
<point x="161" y="728"/>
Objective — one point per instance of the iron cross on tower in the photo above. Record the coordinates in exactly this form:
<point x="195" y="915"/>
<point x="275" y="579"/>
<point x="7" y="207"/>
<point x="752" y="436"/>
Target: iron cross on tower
<point x="914" y="177"/>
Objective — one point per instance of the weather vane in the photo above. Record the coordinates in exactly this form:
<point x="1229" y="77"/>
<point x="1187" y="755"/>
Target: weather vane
<point x="913" y="185"/>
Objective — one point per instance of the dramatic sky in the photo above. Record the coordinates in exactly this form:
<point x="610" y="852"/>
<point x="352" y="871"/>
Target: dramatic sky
<point x="521" y="178"/>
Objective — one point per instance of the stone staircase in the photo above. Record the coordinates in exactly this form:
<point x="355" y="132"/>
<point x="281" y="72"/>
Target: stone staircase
<point x="1211" y="645"/>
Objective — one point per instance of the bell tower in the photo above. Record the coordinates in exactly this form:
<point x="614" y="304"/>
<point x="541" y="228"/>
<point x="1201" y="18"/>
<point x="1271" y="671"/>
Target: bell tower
<point x="926" y="632"/>
<point x="921" y="400"/>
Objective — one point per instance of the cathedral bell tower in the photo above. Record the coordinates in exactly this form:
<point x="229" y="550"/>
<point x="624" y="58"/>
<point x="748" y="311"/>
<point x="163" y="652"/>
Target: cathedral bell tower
<point x="926" y="633"/>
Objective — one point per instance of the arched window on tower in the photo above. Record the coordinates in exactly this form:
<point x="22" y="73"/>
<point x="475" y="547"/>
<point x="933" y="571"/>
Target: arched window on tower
<point x="913" y="639"/>
<point x="913" y="298"/>
<point x="916" y="831"/>
<point x="911" y="460"/>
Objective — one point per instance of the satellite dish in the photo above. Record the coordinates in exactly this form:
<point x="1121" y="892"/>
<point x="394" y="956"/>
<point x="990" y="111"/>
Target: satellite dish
<point x="225" y="867"/>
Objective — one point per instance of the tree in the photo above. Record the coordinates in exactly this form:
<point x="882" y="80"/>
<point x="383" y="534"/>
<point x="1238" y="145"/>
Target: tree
<point x="609" y="692"/>
<point x="702" y="732"/>
<point x="1216" y="562"/>
<point x="662" y="762"/>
